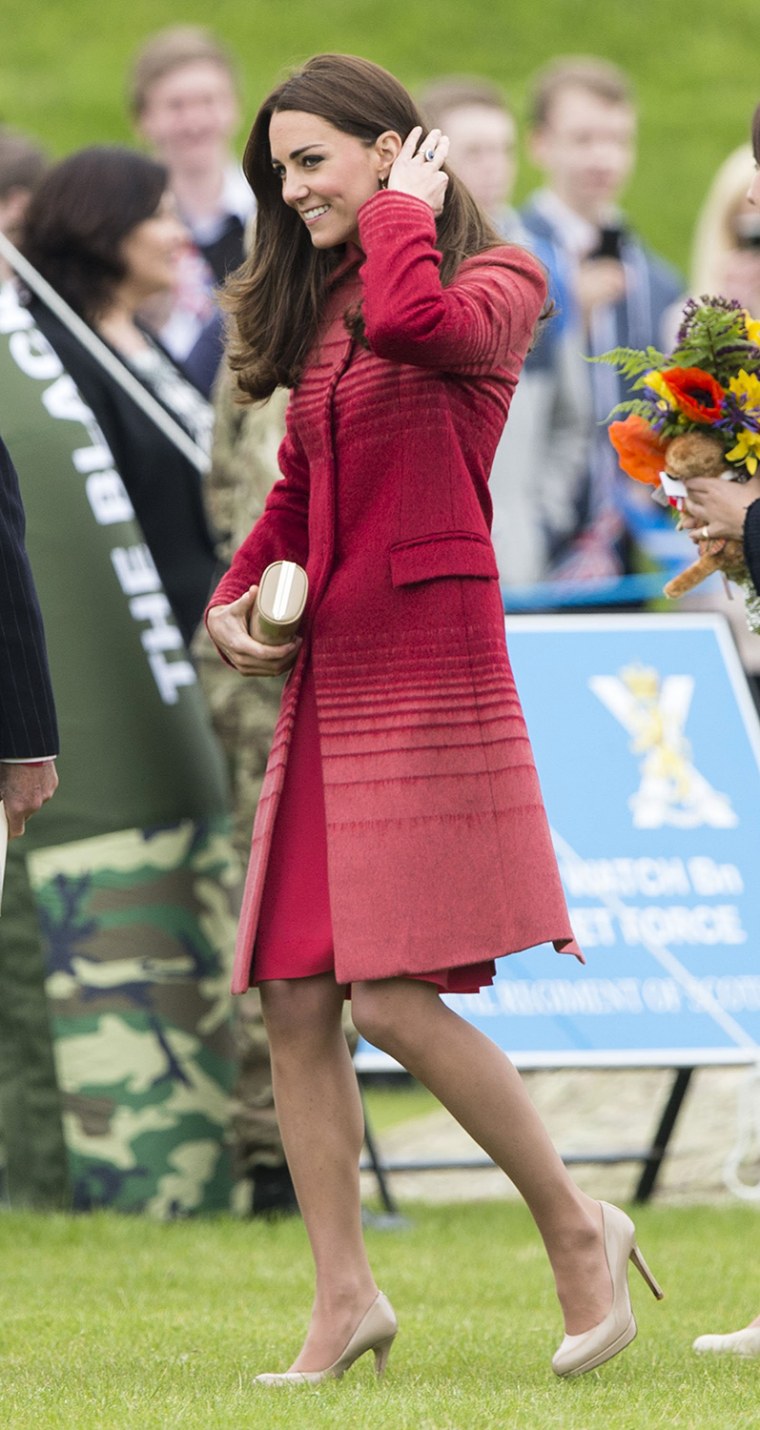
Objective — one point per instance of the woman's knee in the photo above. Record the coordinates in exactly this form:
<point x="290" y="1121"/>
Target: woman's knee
<point x="298" y="1008"/>
<point x="387" y="1012"/>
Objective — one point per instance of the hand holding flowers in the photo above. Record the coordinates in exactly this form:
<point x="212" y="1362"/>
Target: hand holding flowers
<point x="721" y="506"/>
<point x="709" y="385"/>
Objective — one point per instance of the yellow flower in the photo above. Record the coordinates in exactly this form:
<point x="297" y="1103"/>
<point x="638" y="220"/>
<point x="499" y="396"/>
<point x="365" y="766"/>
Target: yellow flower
<point x="746" y="388"/>
<point x="747" y="450"/>
<point x="656" y="381"/>
<point x="753" y="328"/>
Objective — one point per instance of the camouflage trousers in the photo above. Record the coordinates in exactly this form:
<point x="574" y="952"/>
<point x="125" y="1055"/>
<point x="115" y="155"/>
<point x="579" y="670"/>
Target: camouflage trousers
<point x="244" y="713"/>
<point x="36" y="1172"/>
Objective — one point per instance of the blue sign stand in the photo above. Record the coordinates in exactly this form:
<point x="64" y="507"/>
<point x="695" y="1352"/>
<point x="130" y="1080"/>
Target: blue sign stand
<point x="647" y="744"/>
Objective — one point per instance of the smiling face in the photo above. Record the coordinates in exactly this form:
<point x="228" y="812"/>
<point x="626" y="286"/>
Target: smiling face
<point x="326" y="175"/>
<point x="150" y="252"/>
<point x="586" y="147"/>
<point x="190" y="115"/>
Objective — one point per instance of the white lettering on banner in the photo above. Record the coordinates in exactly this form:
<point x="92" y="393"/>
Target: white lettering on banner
<point x="162" y="636"/>
<point x="139" y="579"/>
<point x="697" y="924"/>
<point x="680" y="924"/>
<point x="170" y="675"/>
<point x="661" y="995"/>
<point x="62" y="400"/>
<point x="702" y="995"/>
<point x="13" y="318"/>
<point x="651" y="878"/>
<point x="736" y="992"/>
<point x="606" y="997"/>
<point x="593" y="927"/>
<point x="709" y="878"/>
<point x="107" y="496"/>
<point x="34" y="355"/>
<point x="154" y="607"/>
<point x="135" y="569"/>
<point x="91" y="459"/>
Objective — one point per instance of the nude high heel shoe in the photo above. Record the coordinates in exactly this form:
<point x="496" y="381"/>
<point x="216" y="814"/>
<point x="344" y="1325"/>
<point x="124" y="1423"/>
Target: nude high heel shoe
<point x="578" y="1354"/>
<point x="738" y="1343"/>
<point x="375" y="1332"/>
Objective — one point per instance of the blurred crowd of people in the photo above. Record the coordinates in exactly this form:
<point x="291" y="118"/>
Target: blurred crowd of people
<point x="137" y="246"/>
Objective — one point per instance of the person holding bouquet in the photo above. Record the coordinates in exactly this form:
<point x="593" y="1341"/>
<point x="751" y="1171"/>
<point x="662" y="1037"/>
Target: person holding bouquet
<point x="400" y="843"/>
<point x="725" y="509"/>
<point x="698" y="419"/>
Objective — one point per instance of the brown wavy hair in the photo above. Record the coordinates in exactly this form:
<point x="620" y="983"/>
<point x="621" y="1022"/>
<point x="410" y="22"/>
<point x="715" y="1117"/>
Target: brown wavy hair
<point x="80" y="214"/>
<point x="275" y="299"/>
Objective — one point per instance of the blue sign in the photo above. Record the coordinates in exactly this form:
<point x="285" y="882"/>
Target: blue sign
<point x="647" y="744"/>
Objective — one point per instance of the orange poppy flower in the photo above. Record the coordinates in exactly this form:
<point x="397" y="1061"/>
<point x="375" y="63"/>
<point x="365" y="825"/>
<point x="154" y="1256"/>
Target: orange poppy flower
<point x="641" y="452"/>
<point x="697" y="393"/>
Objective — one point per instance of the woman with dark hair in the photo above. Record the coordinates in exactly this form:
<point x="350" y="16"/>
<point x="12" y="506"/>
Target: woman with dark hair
<point x="101" y="228"/>
<point x="400" y="843"/>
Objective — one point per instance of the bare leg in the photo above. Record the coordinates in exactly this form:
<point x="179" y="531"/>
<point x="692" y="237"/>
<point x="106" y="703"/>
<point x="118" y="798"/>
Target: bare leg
<point x="485" y="1093"/>
<point x="322" y="1126"/>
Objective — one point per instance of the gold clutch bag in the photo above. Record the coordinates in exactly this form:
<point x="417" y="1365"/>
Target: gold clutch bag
<point x="280" y="603"/>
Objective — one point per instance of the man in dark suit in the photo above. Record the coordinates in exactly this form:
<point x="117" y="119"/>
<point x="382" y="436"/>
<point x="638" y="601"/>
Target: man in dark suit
<point x="28" y="728"/>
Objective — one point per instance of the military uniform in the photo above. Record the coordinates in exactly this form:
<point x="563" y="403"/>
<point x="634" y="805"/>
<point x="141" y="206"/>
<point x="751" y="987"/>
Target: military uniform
<point x="244" y="711"/>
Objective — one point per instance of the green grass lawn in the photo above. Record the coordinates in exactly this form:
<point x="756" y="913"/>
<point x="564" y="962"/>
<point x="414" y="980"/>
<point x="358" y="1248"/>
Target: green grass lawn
<point x="118" y="1324"/>
<point x="393" y="1102"/>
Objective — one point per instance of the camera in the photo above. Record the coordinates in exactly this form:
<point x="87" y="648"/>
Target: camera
<point x="610" y="242"/>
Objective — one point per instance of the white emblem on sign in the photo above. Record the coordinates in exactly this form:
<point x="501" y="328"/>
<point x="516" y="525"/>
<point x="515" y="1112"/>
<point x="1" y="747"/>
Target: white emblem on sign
<point x="654" y="713"/>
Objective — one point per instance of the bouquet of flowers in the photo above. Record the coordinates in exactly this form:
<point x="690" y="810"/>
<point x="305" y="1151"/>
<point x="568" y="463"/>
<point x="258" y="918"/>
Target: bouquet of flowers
<point x="695" y="412"/>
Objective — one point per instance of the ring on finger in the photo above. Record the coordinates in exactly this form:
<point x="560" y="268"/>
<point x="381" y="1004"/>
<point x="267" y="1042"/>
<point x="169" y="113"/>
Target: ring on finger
<point x="705" y="533"/>
<point x="429" y="155"/>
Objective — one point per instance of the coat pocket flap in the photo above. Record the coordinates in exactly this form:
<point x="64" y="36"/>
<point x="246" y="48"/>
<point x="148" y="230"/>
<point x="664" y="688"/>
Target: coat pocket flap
<point x="446" y="553"/>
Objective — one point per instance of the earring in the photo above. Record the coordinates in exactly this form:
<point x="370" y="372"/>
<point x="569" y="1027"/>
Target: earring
<point x="383" y="181"/>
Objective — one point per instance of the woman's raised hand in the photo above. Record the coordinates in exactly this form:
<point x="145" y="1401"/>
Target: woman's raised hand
<point x="417" y="169"/>
<point x="228" y="627"/>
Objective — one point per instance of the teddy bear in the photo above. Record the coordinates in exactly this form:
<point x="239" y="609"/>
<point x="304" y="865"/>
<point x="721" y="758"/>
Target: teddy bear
<point x="695" y="454"/>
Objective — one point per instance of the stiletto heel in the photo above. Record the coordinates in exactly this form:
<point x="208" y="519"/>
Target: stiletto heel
<point x="382" y="1351"/>
<point x="577" y="1354"/>
<point x="644" y="1271"/>
<point x="375" y="1332"/>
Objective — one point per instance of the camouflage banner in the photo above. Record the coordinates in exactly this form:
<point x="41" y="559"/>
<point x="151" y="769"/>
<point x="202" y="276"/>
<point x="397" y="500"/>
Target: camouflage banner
<point x="136" y="744"/>
<point x="134" y="882"/>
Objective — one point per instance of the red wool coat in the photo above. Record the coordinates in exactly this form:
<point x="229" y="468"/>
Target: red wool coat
<point x="439" y="852"/>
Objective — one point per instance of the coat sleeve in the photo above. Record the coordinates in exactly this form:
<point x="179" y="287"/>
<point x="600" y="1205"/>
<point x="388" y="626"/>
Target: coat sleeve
<point x="28" y="728"/>
<point x="282" y="531"/>
<point x="752" y="542"/>
<point x="471" y="326"/>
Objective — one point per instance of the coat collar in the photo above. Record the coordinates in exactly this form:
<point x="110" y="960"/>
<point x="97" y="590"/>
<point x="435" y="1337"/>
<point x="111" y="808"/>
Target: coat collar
<point x="352" y="257"/>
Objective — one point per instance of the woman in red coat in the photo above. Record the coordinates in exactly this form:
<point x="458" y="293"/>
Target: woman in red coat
<point x="401" y="842"/>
